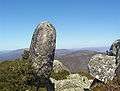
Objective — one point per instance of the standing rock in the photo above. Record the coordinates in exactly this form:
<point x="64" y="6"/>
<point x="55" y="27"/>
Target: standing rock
<point x="102" y="67"/>
<point x="42" y="51"/>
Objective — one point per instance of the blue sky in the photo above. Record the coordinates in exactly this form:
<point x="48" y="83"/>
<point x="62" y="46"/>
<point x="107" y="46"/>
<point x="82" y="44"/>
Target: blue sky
<point x="79" y="23"/>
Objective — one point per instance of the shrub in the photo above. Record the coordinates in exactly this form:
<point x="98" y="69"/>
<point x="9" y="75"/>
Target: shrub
<point x="60" y="75"/>
<point x="84" y="73"/>
<point x="14" y="76"/>
<point x="18" y="76"/>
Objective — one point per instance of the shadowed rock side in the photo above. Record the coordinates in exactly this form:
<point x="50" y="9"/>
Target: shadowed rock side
<point x="42" y="51"/>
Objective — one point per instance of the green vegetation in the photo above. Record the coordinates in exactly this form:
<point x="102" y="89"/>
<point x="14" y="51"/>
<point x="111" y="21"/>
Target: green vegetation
<point x="84" y="73"/>
<point x="60" y="75"/>
<point x="17" y="76"/>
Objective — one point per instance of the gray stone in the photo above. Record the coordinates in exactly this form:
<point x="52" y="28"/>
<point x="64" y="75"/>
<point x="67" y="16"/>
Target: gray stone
<point x="102" y="67"/>
<point x="42" y="51"/>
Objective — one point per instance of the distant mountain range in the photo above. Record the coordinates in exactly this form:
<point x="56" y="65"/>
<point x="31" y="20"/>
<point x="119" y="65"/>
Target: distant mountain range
<point x="74" y="59"/>
<point x="10" y="55"/>
<point x="14" y="54"/>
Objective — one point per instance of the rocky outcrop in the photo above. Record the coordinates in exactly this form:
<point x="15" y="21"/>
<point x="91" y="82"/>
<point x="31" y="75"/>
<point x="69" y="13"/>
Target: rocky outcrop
<point x="74" y="82"/>
<point x="102" y="67"/>
<point x="42" y="51"/>
<point x="59" y="67"/>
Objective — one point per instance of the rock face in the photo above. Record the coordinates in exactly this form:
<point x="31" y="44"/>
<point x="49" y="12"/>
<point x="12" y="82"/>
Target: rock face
<point x="102" y="67"/>
<point x="74" y="82"/>
<point x="115" y="51"/>
<point x="42" y="50"/>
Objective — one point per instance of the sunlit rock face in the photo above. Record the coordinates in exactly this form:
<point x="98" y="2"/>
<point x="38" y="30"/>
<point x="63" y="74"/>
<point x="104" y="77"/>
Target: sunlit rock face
<point x="42" y="49"/>
<point x="102" y="67"/>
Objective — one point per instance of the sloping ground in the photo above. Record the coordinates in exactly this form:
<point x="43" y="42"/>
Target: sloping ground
<point x="11" y="55"/>
<point x="15" y="54"/>
<point x="77" y="60"/>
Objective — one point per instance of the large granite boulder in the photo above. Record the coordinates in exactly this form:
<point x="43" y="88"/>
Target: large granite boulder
<point x="102" y="67"/>
<point x="41" y="54"/>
